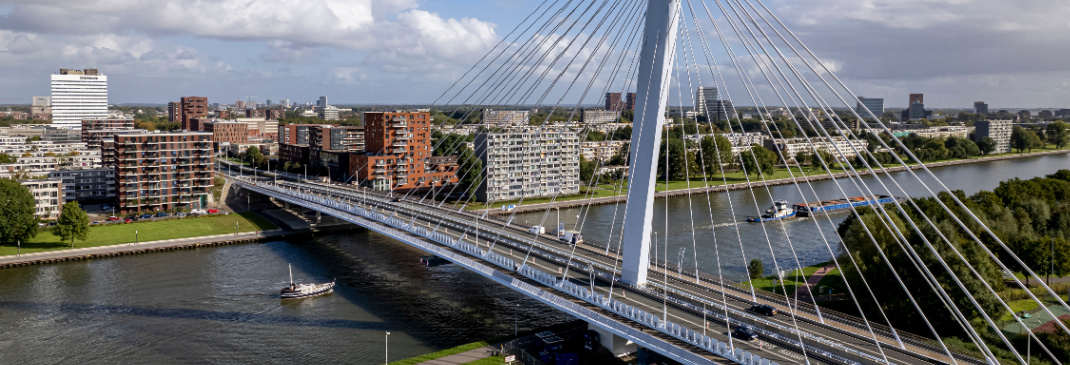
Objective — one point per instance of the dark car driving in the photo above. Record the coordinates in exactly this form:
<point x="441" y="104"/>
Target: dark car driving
<point x="764" y="309"/>
<point x="745" y="333"/>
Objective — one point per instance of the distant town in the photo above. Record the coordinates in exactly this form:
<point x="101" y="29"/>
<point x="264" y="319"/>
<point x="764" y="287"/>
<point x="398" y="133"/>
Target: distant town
<point x="75" y="146"/>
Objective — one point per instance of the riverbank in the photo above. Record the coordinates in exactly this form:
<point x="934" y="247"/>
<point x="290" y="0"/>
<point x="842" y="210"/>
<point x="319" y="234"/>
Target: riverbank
<point x="89" y="253"/>
<point x="716" y="185"/>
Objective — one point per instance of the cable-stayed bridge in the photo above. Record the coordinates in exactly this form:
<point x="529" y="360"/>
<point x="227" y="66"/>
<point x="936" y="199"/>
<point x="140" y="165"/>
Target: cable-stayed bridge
<point x="574" y="52"/>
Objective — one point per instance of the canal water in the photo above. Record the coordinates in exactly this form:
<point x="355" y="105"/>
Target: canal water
<point x="221" y="305"/>
<point x="783" y="244"/>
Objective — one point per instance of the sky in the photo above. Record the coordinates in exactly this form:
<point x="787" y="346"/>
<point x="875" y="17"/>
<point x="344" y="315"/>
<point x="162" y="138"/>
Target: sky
<point x="1009" y="54"/>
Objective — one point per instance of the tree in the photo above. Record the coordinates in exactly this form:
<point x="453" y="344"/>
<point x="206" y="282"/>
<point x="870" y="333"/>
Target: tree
<point x="758" y="160"/>
<point x="1058" y="134"/>
<point x="253" y="153"/>
<point x="680" y="161"/>
<point x="73" y="223"/>
<point x="6" y="158"/>
<point x="986" y="145"/>
<point x="469" y="169"/>
<point x="716" y="152"/>
<point x="587" y="170"/>
<point x="755" y="269"/>
<point x="1025" y="139"/>
<point x="17" y="207"/>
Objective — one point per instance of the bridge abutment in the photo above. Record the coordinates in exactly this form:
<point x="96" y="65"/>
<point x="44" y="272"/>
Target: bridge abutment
<point x="616" y="345"/>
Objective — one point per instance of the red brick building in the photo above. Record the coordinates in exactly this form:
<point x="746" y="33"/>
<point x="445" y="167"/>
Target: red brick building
<point x="232" y="132"/>
<point x="193" y="107"/>
<point x="160" y="171"/>
<point x="398" y="153"/>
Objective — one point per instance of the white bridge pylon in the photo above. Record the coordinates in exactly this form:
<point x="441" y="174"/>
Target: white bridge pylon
<point x="652" y="88"/>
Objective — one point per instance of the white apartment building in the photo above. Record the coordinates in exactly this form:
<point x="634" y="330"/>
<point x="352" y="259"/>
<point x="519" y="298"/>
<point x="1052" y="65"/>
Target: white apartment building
<point x="506" y="117"/>
<point x="705" y="97"/>
<point x="600" y="150"/>
<point x="791" y="147"/>
<point x="528" y="164"/>
<point x="998" y="130"/>
<point x="87" y="186"/>
<point x="599" y="116"/>
<point x="39" y="158"/>
<point x="944" y="132"/>
<point x="47" y="194"/>
<point x="77" y="95"/>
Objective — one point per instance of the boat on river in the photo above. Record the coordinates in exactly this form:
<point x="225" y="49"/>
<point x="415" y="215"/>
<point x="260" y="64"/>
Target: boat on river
<point x="295" y="290"/>
<point x="780" y="210"/>
<point x="804" y="210"/>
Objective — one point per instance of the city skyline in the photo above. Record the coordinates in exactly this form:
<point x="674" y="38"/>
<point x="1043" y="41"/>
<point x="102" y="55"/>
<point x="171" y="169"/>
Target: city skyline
<point x="360" y="53"/>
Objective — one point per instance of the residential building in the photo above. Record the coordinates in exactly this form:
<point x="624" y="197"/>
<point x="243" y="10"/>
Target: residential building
<point x="398" y="156"/>
<point x="1062" y="113"/>
<point x="47" y="195"/>
<point x="705" y="97"/>
<point x="41" y="109"/>
<point x="722" y="110"/>
<point x="1024" y="115"/>
<point x="239" y="105"/>
<point x="943" y="132"/>
<point x="335" y="138"/>
<point x="77" y="95"/>
<point x="38" y="158"/>
<point x="600" y="150"/>
<point x="94" y="129"/>
<point x="790" y="147"/>
<point x="614" y="102"/>
<point x="874" y="105"/>
<point x="296" y="134"/>
<point x="87" y="186"/>
<point x="629" y="102"/>
<point x="528" y="164"/>
<point x="998" y="130"/>
<point x="1045" y="115"/>
<point x="916" y="98"/>
<point x="174" y="112"/>
<point x="328" y="112"/>
<point x="261" y="128"/>
<point x="227" y="132"/>
<point x="506" y="117"/>
<point x="160" y="171"/>
<point x="588" y="116"/>
<point x="979" y="107"/>
<point x="193" y="107"/>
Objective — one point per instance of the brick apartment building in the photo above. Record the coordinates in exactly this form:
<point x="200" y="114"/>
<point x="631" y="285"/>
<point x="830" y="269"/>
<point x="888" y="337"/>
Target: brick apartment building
<point x="160" y="171"/>
<point x="228" y="132"/>
<point x="193" y="107"/>
<point x="94" y="129"/>
<point x="398" y="153"/>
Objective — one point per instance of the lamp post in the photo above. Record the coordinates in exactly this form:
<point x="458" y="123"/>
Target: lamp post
<point x="135" y="236"/>
<point x="20" y="248"/>
<point x="235" y="228"/>
<point x="387" y="347"/>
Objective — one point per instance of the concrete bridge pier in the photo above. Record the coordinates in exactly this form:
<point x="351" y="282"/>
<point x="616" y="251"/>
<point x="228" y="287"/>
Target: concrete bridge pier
<point x="617" y="345"/>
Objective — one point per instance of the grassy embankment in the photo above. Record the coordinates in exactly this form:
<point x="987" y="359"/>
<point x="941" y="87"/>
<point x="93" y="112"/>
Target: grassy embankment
<point x="119" y="233"/>
<point x="444" y="353"/>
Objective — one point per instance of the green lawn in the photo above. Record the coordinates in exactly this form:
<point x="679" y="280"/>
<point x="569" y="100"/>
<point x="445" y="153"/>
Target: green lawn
<point x="493" y="360"/>
<point x="113" y="234"/>
<point x="443" y="353"/>
<point x="790" y="283"/>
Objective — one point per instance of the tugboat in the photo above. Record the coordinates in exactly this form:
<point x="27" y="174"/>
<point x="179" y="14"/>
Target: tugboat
<point x="295" y="290"/>
<point x="780" y="210"/>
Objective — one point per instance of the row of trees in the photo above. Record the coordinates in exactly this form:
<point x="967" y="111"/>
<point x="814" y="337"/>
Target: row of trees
<point x="1032" y="217"/>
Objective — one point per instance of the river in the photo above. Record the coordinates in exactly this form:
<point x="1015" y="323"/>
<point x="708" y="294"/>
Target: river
<point x="221" y="305"/>
<point x="781" y="245"/>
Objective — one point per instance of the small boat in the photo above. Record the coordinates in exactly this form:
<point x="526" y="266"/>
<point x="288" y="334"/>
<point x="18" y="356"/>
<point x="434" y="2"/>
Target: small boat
<point x="304" y="290"/>
<point x="780" y="210"/>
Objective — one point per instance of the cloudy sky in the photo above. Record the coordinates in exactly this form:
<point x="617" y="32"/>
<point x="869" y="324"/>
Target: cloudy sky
<point x="1010" y="54"/>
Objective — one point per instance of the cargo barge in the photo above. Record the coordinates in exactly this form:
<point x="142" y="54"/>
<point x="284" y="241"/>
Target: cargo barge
<point x="804" y="210"/>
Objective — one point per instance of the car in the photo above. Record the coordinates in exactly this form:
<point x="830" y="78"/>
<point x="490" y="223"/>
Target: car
<point x="181" y="214"/>
<point x="146" y="216"/>
<point x="397" y="199"/>
<point x="128" y="220"/>
<point x="198" y="212"/>
<point x="163" y="214"/>
<point x="745" y="333"/>
<point x="113" y="218"/>
<point x="213" y="211"/>
<point x="764" y="309"/>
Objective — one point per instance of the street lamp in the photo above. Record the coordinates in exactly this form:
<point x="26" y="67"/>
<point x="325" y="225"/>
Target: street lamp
<point x="135" y="236"/>
<point x="235" y="228"/>
<point x="387" y="347"/>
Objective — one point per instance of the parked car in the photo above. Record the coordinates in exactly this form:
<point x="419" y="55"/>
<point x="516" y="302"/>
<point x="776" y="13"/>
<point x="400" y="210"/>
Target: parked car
<point x="128" y="220"/>
<point x="198" y="212"/>
<point x="213" y="211"/>
<point x="113" y="218"/>
<point x="146" y="216"/>
<point x="163" y="214"/>
<point x="745" y="333"/>
<point x="94" y="222"/>
<point x="181" y="214"/>
<point x="764" y="309"/>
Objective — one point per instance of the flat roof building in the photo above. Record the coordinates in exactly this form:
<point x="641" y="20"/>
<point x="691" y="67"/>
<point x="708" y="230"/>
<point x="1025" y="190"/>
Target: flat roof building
<point x="160" y="171"/>
<point x="78" y="95"/>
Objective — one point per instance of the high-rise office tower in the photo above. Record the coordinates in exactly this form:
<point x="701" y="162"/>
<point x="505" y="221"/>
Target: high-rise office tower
<point x="980" y="107"/>
<point x="705" y="97"/>
<point x="77" y="95"/>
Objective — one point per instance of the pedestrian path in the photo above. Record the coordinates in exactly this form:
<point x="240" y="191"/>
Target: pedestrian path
<point x="808" y="288"/>
<point x="463" y="357"/>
